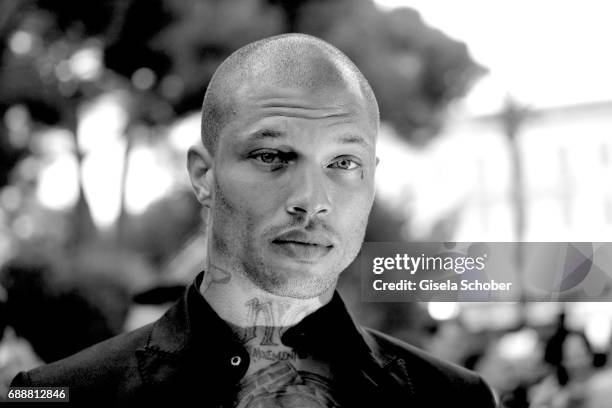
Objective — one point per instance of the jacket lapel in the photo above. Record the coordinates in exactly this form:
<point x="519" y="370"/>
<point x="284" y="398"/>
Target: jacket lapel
<point x="181" y="357"/>
<point x="165" y="352"/>
<point x="390" y="371"/>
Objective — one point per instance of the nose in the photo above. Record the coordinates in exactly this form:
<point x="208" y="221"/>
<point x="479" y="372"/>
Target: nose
<point x="309" y="195"/>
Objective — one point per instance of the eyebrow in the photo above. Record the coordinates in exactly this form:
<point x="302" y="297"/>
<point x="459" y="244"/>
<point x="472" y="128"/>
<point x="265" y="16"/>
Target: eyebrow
<point x="276" y="134"/>
<point x="348" y="139"/>
<point x="265" y="134"/>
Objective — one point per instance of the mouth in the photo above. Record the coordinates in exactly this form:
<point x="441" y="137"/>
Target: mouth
<point x="301" y="251"/>
<point x="303" y="247"/>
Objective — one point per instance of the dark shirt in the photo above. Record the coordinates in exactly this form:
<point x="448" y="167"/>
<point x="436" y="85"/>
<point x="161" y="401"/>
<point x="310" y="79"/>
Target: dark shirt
<point x="328" y="334"/>
<point x="189" y="354"/>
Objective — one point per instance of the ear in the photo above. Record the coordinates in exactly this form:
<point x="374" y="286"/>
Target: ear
<point x="200" y="168"/>
<point x="377" y="161"/>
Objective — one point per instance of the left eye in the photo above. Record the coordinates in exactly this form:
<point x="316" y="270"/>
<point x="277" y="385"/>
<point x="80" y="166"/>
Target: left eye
<point x="344" y="164"/>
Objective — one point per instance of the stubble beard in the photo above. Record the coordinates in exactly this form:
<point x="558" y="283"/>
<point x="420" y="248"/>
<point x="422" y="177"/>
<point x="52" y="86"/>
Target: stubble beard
<point x="248" y="258"/>
<point x="297" y="284"/>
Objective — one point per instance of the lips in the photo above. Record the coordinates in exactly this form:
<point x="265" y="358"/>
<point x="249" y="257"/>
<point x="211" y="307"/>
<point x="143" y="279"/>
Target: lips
<point x="303" y="246"/>
<point x="306" y="238"/>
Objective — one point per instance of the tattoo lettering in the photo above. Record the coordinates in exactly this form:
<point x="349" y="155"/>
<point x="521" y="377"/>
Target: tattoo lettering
<point x="256" y="309"/>
<point x="258" y="353"/>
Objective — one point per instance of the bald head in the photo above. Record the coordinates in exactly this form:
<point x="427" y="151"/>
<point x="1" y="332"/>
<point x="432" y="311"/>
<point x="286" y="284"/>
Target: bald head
<point x="294" y="61"/>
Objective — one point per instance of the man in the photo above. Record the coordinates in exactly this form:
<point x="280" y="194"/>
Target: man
<point x="286" y="170"/>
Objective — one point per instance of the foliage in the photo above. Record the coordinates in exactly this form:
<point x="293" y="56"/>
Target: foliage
<point x="56" y="57"/>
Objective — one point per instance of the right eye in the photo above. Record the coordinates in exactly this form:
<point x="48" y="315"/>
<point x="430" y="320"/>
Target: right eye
<point x="269" y="157"/>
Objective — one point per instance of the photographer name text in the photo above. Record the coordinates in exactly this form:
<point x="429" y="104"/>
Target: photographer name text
<point x="448" y="285"/>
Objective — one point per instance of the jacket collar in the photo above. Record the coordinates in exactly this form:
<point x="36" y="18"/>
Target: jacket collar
<point x="191" y="341"/>
<point x="192" y="327"/>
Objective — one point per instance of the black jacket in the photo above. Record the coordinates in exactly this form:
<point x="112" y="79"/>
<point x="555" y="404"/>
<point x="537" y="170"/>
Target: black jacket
<point x="184" y="358"/>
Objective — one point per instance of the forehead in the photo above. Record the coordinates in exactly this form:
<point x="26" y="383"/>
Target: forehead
<point x="300" y="116"/>
<point x="296" y="111"/>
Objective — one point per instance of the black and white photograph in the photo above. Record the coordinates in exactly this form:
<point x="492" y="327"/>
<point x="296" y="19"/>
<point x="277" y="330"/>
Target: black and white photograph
<point x="306" y="203"/>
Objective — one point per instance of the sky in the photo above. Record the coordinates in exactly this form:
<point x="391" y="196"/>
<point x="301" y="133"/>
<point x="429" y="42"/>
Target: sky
<point x="543" y="53"/>
<point x="539" y="54"/>
<point x="543" y="56"/>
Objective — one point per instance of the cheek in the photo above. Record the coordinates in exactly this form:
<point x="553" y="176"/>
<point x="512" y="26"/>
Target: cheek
<point x="245" y="202"/>
<point x="352" y="210"/>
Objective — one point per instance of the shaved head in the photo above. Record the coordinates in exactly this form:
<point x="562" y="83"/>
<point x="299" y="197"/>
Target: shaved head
<point x="287" y="164"/>
<point x="291" y="61"/>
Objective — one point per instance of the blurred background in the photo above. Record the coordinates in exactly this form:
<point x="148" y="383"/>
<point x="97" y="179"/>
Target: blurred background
<point x="497" y="126"/>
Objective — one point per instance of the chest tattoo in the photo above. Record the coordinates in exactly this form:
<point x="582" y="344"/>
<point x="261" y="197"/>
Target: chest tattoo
<point x="281" y="385"/>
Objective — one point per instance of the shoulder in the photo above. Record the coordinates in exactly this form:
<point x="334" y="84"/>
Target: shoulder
<point x="391" y="349"/>
<point x="428" y="376"/>
<point x="108" y="365"/>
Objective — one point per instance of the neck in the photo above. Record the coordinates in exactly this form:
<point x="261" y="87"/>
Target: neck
<point x="251" y="311"/>
<point x="259" y="319"/>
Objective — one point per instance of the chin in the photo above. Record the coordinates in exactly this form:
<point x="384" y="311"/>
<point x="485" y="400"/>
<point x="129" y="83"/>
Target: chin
<point x="296" y="279"/>
<point x="300" y="270"/>
<point x="302" y="289"/>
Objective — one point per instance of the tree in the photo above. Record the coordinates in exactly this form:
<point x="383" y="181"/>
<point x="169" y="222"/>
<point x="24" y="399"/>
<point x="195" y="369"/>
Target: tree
<point x="162" y="54"/>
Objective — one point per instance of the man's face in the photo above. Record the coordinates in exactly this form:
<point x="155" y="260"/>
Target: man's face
<point x="293" y="186"/>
